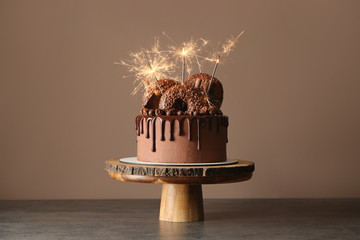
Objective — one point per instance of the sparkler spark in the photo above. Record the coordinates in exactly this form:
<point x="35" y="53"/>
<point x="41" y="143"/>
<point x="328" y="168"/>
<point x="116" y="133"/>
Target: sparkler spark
<point x="230" y="44"/>
<point x="157" y="82"/>
<point x="168" y="37"/>
<point x="204" y="42"/>
<point x="147" y="66"/>
<point x="191" y="50"/>
<point x="183" y="65"/>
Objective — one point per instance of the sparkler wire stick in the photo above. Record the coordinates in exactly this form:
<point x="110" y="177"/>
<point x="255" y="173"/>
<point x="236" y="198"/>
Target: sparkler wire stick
<point x="155" y="77"/>
<point x="213" y="74"/>
<point x="183" y="65"/>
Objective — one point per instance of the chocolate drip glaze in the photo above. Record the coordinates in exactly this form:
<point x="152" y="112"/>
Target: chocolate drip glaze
<point x="148" y="127"/>
<point x="153" y="135"/>
<point x="141" y="127"/>
<point x="200" y="123"/>
<point x="162" y="138"/>
<point x="181" y="126"/>
<point x="189" y="127"/>
<point x="198" y="133"/>
<point x="172" y="122"/>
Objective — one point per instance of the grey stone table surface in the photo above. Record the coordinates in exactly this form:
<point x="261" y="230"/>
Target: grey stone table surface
<point x="138" y="219"/>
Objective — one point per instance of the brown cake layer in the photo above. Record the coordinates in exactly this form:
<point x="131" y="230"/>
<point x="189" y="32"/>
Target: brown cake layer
<point x="181" y="139"/>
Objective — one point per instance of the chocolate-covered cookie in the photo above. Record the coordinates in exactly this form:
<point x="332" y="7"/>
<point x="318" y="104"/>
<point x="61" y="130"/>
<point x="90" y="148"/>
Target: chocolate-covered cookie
<point x="152" y="93"/>
<point x="216" y="92"/>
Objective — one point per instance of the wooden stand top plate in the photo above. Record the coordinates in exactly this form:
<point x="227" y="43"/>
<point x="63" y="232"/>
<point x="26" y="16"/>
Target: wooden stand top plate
<point x="227" y="173"/>
<point x="181" y="197"/>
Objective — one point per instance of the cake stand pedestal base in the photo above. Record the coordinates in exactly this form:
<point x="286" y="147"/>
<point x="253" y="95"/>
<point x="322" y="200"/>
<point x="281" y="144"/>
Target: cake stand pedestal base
<point x="181" y="198"/>
<point x="181" y="203"/>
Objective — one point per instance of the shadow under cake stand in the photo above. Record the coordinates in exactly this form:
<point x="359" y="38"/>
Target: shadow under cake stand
<point x="181" y="197"/>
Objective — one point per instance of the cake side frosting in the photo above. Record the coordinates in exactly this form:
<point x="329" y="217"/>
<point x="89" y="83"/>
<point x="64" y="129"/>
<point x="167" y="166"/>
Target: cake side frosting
<point x="181" y="139"/>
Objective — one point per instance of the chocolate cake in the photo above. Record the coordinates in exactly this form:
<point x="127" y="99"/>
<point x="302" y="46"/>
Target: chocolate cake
<point x="182" y="123"/>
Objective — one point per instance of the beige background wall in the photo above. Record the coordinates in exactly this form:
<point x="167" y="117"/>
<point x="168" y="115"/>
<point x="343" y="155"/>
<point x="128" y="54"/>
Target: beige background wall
<point x="292" y="93"/>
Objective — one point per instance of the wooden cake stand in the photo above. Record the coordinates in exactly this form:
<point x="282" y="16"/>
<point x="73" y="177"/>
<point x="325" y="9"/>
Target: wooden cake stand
<point x="181" y="198"/>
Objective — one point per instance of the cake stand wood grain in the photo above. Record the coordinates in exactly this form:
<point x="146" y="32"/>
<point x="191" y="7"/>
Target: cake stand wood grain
<point x="181" y="198"/>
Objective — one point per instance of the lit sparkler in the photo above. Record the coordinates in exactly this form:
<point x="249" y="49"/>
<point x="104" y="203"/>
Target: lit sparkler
<point x="183" y="65"/>
<point x="230" y="44"/>
<point x="191" y="50"/>
<point x="146" y="64"/>
<point x="157" y="63"/>
<point x="157" y="82"/>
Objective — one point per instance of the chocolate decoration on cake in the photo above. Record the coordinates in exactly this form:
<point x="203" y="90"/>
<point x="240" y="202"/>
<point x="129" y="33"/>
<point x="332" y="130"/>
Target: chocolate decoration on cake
<point x="152" y="93"/>
<point x="183" y="98"/>
<point x="216" y="92"/>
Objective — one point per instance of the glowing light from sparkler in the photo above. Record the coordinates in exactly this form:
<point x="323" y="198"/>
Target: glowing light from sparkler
<point x="229" y="45"/>
<point x="149" y="65"/>
<point x="191" y="49"/>
<point x="183" y="65"/>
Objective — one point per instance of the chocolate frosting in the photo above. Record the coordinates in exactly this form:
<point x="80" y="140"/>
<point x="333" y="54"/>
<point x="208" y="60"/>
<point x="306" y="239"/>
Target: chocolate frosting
<point x="142" y="125"/>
